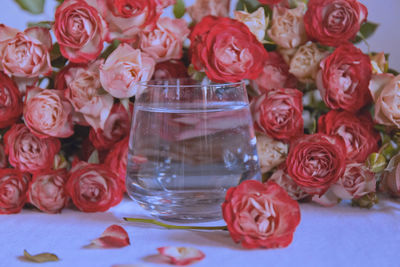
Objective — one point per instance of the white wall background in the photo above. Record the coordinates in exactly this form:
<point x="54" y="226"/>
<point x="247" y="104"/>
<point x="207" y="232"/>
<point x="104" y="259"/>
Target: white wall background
<point x="386" y="13"/>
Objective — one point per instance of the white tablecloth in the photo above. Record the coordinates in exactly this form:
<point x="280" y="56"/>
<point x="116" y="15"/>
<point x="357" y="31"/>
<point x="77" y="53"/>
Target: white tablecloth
<point x="339" y="236"/>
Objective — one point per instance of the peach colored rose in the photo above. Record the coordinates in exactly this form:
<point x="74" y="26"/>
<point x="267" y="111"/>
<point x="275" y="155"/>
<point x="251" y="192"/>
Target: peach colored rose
<point x="287" y="28"/>
<point x="256" y="22"/>
<point x="379" y="63"/>
<point x="202" y="8"/>
<point x="47" y="191"/>
<point x="391" y="177"/>
<point x="270" y="152"/>
<point x="48" y="113"/>
<point x="13" y="188"/>
<point x="165" y="42"/>
<point x="124" y="69"/>
<point x="25" y="54"/>
<point x="80" y="30"/>
<point x="27" y="152"/>
<point x="283" y="179"/>
<point x="305" y="62"/>
<point x="86" y="95"/>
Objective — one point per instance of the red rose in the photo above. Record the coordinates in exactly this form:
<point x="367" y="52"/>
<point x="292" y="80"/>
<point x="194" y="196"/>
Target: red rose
<point x="226" y="49"/>
<point x="94" y="187"/>
<point x="117" y="159"/>
<point x="317" y="161"/>
<point x="357" y="132"/>
<point x="79" y="30"/>
<point x="333" y="22"/>
<point x="169" y="70"/>
<point x="3" y="157"/>
<point x="27" y="152"/>
<point x="278" y="113"/>
<point x="343" y="80"/>
<point x="13" y="188"/>
<point x="260" y="215"/>
<point x="10" y="101"/>
<point x="47" y="190"/>
<point x="275" y="74"/>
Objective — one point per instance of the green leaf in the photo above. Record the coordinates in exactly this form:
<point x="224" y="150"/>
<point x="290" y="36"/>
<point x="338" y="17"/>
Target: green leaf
<point x="110" y="49"/>
<point x="44" y="24"/>
<point x="39" y="258"/>
<point x="392" y="71"/>
<point x="57" y="60"/>
<point x="179" y="9"/>
<point x="366" y="31"/>
<point x="32" y="6"/>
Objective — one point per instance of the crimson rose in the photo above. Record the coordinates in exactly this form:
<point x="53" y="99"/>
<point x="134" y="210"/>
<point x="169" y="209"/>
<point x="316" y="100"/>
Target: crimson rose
<point x="13" y="189"/>
<point x="10" y="101"/>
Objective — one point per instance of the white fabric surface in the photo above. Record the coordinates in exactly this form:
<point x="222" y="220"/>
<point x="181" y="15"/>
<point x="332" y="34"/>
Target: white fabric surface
<point x="338" y="236"/>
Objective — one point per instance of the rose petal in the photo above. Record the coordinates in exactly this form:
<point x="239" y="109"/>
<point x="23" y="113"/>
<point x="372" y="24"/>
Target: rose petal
<point x="113" y="237"/>
<point x="39" y="258"/>
<point x="41" y="34"/>
<point x="181" y="255"/>
<point x="7" y="32"/>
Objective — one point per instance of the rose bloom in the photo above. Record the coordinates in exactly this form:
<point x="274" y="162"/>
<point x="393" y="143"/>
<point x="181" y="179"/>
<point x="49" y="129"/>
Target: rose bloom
<point x="127" y="18"/>
<point x="25" y="54"/>
<point x="79" y="30"/>
<point x="13" y="189"/>
<point x="281" y="177"/>
<point x="357" y="131"/>
<point x="48" y="113"/>
<point x="83" y="90"/>
<point x="305" y="62"/>
<point x="94" y="187"/>
<point x="334" y="22"/>
<point x="203" y="8"/>
<point x="170" y="69"/>
<point x="260" y="215"/>
<point x="356" y="182"/>
<point x="287" y="28"/>
<point x="275" y="74"/>
<point x="344" y="78"/>
<point x="226" y="50"/>
<point x="47" y="190"/>
<point x="278" y="113"/>
<point x="116" y="127"/>
<point x="3" y="157"/>
<point x="315" y="162"/>
<point x="256" y="22"/>
<point x="27" y="152"/>
<point x="117" y="159"/>
<point x="391" y="177"/>
<point x="165" y="42"/>
<point x="10" y="101"/>
<point x="124" y="69"/>
<point x="270" y="152"/>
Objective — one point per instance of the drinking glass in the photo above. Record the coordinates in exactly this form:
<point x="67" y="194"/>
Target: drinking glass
<point x="189" y="143"/>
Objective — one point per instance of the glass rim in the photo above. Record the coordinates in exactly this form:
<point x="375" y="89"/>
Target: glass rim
<point x="198" y="83"/>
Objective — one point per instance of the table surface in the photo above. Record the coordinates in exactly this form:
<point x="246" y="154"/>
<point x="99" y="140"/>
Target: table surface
<point x="338" y="236"/>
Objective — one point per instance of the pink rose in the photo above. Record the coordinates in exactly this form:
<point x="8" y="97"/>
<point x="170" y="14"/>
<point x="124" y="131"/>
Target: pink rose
<point x="260" y="215"/>
<point x="25" y="54"/>
<point x="391" y="177"/>
<point x="165" y="3"/>
<point x="10" y="101"/>
<point x="85" y="93"/>
<point x="27" y="152"/>
<point x="48" y="113"/>
<point x="127" y="18"/>
<point x="275" y="74"/>
<point x="3" y="157"/>
<point x="356" y="182"/>
<point x="80" y="30"/>
<point x="13" y="188"/>
<point x="47" y="191"/>
<point x="124" y="69"/>
<point x="117" y="159"/>
<point x="203" y="8"/>
<point x="116" y="127"/>
<point x="166" y="40"/>
<point x="170" y="69"/>
<point x="282" y="178"/>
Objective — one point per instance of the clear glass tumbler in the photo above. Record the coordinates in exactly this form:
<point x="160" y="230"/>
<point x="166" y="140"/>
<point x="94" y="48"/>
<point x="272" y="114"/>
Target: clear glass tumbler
<point x="189" y="144"/>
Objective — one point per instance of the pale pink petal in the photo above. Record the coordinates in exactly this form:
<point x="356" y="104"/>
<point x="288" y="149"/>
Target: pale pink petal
<point x="113" y="237"/>
<point x="181" y="255"/>
<point x="7" y="32"/>
<point x="329" y="199"/>
<point x="41" y="34"/>
<point x="378" y="82"/>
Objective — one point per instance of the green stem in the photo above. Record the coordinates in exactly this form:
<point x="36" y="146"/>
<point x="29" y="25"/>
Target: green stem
<point x="170" y="226"/>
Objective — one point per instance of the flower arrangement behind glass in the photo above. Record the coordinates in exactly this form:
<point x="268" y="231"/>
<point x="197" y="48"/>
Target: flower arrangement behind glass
<point x="325" y="113"/>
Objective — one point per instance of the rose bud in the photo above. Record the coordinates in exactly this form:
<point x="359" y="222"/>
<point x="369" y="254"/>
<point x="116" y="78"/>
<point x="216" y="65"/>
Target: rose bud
<point x="334" y="22"/>
<point x="13" y="188"/>
<point x="94" y="187"/>
<point x="203" y="8"/>
<point x="47" y="190"/>
<point x="80" y="30"/>
<point x="343" y="80"/>
<point x="236" y="53"/>
<point x="27" y="152"/>
<point x="260" y="215"/>
<point x="10" y="101"/>
<point x="117" y="159"/>
<point x="278" y="113"/>
<point x="169" y="70"/>
<point x="317" y="161"/>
